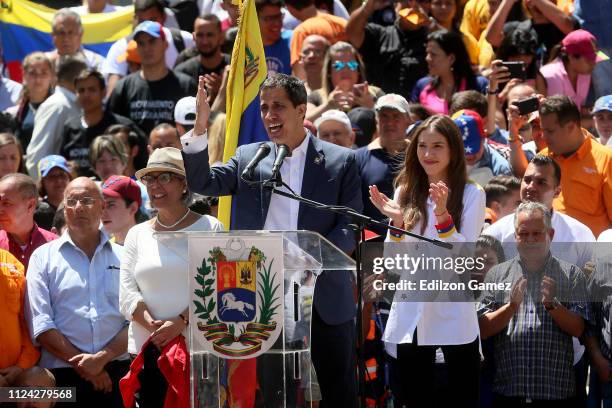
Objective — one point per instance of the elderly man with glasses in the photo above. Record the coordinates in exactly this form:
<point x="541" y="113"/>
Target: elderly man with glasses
<point x="72" y="304"/>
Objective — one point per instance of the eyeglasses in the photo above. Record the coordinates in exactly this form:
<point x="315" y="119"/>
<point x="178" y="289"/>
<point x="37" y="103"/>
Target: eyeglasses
<point x="339" y="65"/>
<point x="273" y="18"/>
<point x="162" y="178"/>
<point x="85" y="201"/>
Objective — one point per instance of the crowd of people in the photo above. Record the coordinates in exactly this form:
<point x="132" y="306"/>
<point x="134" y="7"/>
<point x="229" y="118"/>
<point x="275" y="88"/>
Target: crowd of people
<point x="469" y="121"/>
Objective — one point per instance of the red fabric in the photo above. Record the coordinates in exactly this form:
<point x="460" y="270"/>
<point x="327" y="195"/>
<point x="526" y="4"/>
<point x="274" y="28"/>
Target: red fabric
<point x="38" y="237"/>
<point x="174" y="365"/>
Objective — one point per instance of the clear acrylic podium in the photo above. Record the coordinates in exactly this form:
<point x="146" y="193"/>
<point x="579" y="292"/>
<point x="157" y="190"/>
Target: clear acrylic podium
<point x="281" y="376"/>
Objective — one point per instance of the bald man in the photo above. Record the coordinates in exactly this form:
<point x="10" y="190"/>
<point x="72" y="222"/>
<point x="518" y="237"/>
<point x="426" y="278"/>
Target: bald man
<point x="310" y="64"/>
<point x="72" y="303"/>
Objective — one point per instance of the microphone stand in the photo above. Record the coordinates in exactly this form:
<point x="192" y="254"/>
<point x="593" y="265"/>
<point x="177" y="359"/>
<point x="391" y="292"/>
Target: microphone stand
<point x="360" y="222"/>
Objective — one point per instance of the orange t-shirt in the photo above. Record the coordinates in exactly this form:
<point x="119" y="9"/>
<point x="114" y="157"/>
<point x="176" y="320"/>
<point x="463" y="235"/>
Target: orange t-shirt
<point x="16" y="348"/>
<point x="329" y="26"/>
<point x="586" y="185"/>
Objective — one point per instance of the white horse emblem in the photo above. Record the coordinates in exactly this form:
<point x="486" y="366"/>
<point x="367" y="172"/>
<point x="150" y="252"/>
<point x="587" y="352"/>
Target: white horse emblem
<point x="230" y="303"/>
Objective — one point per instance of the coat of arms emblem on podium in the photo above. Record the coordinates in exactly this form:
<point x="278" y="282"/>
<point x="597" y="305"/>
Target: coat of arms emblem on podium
<point x="238" y="300"/>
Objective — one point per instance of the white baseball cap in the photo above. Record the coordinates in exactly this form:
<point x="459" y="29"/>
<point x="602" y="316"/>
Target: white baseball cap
<point x="185" y="111"/>
<point x="334" y="114"/>
<point x="392" y="101"/>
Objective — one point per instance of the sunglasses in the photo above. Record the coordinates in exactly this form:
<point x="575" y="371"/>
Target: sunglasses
<point x="339" y="65"/>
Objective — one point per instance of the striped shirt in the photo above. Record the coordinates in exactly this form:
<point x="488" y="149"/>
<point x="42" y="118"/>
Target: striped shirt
<point x="533" y="356"/>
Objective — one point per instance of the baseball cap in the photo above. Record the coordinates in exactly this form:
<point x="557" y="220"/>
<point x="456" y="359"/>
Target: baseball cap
<point x="581" y="42"/>
<point x="48" y="163"/>
<point x="334" y="114"/>
<point x="130" y="54"/>
<point x="122" y="187"/>
<point x="185" y="111"/>
<point x="603" y="104"/>
<point x="392" y="101"/>
<point x="364" y="125"/>
<point x="153" y="28"/>
<point x="471" y="130"/>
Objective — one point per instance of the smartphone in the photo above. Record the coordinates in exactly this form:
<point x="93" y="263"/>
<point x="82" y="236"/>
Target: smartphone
<point x="526" y="106"/>
<point x="516" y="69"/>
<point x="413" y="16"/>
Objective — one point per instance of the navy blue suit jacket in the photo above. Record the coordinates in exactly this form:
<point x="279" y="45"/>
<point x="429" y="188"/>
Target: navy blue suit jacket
<point x="330" y="176"/>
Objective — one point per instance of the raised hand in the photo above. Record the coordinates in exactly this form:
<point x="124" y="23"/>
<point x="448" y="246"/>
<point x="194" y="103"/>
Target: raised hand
<point x="386" y="206"/>
<point x="438" y="192"/>
<point x="202" y="108"/>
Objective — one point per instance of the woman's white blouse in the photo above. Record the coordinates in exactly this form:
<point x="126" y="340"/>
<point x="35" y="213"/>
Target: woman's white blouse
<point x="438" y="323"/>
<point x="156" y="273"/>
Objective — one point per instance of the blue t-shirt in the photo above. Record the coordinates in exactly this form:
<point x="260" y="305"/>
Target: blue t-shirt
<point x="278" y="55"/>
<point x="377" y="167"/>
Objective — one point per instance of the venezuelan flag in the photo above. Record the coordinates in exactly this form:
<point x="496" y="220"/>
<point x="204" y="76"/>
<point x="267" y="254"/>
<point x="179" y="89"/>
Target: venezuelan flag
<point x="247" y="72"/>
<point x="25" y="27"/>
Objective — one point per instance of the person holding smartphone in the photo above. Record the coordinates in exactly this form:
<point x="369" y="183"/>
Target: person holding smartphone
<point x="344" y="86"/>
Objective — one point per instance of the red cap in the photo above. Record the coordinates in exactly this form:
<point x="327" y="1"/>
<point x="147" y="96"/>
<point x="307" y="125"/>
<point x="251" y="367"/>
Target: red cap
<point x="122" y="187"/>
<point x="581" y="42"/>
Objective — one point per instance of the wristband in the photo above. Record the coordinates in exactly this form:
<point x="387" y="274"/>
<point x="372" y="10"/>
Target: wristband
<point x="396" y="236"/>
<point x="447" y="228"/>
<point x="494" y="92"/>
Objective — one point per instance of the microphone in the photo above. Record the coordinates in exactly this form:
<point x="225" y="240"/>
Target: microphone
<point x="283" y="151"/>
<point x="262" y="153"/>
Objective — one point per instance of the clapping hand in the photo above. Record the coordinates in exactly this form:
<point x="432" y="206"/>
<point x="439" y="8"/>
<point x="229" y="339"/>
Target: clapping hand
<point x="547" y="289"/>
<point x="386" y="206"/>
<point x="438" y="192"/>
<point x="518" y="293"/>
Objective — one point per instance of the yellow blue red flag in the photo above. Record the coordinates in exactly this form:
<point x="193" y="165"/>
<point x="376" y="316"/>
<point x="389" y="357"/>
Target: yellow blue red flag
<point x="25" y="27"/>
<point x="247" y="72"/>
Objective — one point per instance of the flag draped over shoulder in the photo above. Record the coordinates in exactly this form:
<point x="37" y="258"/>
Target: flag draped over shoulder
<point x="247" y="72"/>
<point x="25" y="27"/>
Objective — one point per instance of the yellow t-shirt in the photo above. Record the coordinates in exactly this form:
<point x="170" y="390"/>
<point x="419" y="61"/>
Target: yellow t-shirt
<point x="476" y="16"/>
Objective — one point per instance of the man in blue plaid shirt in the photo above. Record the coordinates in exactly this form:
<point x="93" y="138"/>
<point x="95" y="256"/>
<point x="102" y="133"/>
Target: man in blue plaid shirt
<point x="598" y="337"/>
<point x="533" y="323"/>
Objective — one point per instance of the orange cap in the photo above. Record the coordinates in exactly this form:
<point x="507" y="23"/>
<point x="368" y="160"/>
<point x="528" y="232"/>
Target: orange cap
<point x="130" y="54"/>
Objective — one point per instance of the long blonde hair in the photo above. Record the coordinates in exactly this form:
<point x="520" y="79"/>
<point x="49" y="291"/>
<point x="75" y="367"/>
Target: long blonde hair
<point x="216" y="139"/>
<point x="338" y="47"/>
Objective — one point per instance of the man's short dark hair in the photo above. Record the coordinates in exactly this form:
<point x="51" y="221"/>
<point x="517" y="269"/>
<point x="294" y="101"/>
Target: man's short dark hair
<point x="562" y="106"/>
<point x="142" y="5"/>
<point x="132" y="137"/>
<point x="499" y="187"/>
<point x="472" y="100"/>
<point x="300" y="4"/>
<point x="211" y="18"/>
<point x="541" y="160"/>
<point x="59" y="219"/>
<point x="68" y="68"/>
<point x="91" y="73"/>
<point x="293" y="86"/>
<point x="260" y="4"/>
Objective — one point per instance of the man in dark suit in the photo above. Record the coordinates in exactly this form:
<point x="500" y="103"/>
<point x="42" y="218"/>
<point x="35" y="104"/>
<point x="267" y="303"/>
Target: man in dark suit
<point x="316" y="170"/>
